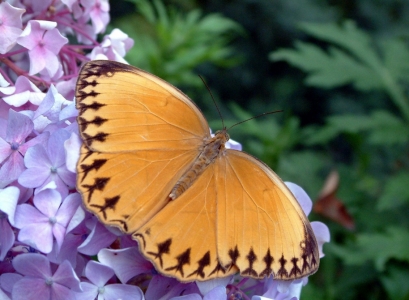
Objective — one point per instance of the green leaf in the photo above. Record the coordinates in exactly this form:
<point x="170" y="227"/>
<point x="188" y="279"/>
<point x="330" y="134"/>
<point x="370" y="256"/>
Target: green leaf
<point x="317" y="135"/>
<point x="173" y="43"/>
<point x="377" y="247"/>
<point x="347" y="36"/>
<point x="396" y="283"/>
<point x="383" y="128"/>
<point x="351" y="58"/>
<point x="387" y="129"/>
<point x="303" y="167"/>
<point x="396" y="192"/>
<point x="329" y="70"/>
<point x="396" y="58"/>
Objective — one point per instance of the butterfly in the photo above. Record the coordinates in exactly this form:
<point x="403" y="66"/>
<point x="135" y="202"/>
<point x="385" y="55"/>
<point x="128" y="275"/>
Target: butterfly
<point x="149" y="166"/>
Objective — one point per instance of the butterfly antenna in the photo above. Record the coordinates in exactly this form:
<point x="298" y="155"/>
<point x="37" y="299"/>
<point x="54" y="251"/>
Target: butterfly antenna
<point x="210" y="92"/>
<point x="263" y="114"/>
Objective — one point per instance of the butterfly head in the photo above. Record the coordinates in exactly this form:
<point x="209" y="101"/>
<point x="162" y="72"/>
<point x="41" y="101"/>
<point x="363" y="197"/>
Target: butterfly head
<point x="222" y="135"/>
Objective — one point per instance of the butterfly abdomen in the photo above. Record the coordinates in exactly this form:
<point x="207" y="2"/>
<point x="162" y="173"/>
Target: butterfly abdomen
<point x="212" y="147"/>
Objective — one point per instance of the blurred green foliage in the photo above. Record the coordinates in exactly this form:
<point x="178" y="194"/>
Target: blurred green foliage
<point x="340" y="71"/>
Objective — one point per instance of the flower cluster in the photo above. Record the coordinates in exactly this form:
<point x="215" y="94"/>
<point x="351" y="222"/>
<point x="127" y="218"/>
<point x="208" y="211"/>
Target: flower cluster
<point x="50" y="247"/>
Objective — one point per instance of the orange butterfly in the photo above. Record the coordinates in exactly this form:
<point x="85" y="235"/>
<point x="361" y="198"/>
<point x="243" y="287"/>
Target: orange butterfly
<point x="199" y="211"/>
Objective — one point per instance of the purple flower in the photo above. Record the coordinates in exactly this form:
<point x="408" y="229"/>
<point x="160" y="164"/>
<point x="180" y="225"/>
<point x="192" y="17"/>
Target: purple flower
<point x="44" y="42"/>
<point x="72" y="147"/>
<point x="126" y="263"/>
<point x="49" y="219"/>
<point x="218" y="293"/>
<point x="281" y="290"/>
<point x="8" y="202"/>
<point x="69" y="252"/>
<point x="45" y="165"/>
<point x="161" y="287"/>
<point x="22" y="92"/>
<point x="99" y="237"/>
<point x="40" y="283"/>
<point x="98" y="275"/>
<point x="48" y="113"/>
<point x="214" y="289"/>
<point x="10" y="26"/>
<point x="13" y="146"/>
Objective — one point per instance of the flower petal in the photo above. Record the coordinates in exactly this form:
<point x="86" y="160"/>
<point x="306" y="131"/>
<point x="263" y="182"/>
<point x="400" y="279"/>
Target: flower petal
<point x="5" y="150"/>
<point x="6" y="238"/>
<point x="19" y="127"/>
<point x="122" y="291"/>
<point x="302" y="197"/>
<point x="32" y="264"/>
<point x="34" y="177"/>
<point x="37" y="157"/>
<point x="72" y="147"/>
<point x="54" y="41"/>
<point x="26" y="216"/>
<point x="126" y="263"/>
<point x="8" y="280"/>
<point x="40" y="236"/>
<point x="12" y="168"/>
<point x="66" y="276"/>
<point x="322" y="235"/>
<point x="8" y="203"/>
<point x="31" y="289"/>
<point x="89" y="291"/>
<point x="55" y="147"/>
<point x="48" y="202"/>
<point x="98" y="273"/>
<point x="209" y="285"/>
<point x="99" y="238"/>
<point x="68" y="209"/>
<point x="218" y="292"/>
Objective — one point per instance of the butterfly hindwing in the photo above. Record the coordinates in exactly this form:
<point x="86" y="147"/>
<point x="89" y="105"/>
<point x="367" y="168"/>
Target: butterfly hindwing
<point x="181" y="239"/>
<point x="261" y="227"/>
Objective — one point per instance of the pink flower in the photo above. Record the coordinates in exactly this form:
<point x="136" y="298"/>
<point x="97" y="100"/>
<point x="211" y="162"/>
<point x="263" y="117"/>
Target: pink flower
<point x="22" y="92"/>
<point x="10" y="26"/>
<point x="13" y="146"/>
<point x="44" y="42"/>
<point x="99" y="13"/>
<point x="113" y="47"/>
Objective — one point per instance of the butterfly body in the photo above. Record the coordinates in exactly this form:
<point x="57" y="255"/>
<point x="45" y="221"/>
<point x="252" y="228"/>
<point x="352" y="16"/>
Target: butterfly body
<point x="212" y="148"/>
<point x="149" y="166"/>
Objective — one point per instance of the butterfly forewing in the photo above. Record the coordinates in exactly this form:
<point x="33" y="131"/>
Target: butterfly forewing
<point x="122" y="108"/>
